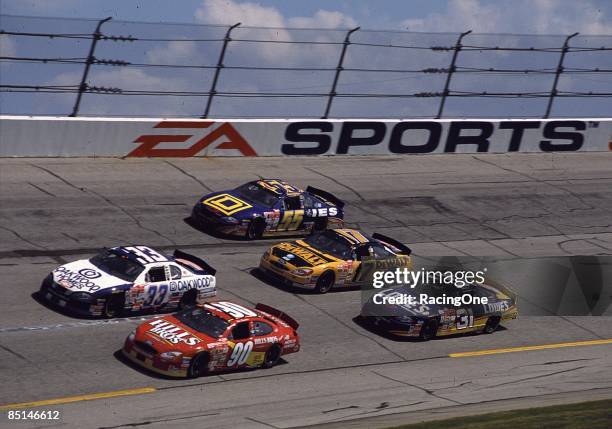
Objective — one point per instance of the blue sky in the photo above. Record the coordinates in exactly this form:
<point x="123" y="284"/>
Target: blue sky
<point x="537" y="17"/>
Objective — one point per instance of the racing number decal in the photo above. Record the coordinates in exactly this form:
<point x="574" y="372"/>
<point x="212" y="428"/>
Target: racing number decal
<point x="234" y="310"/>
<point x="464" y="321"/>
<point x="292" y="219"/>
<point x="146" y="255"/>
<point x="240" y="354"/>
<point x="156" y="296"/>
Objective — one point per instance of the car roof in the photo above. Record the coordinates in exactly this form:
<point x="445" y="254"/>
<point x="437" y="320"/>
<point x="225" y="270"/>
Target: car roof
<point x="230" y="311"/>
<point x="142" y="255"/>
<point x="279" y="187"/>
<point x="352" y="236"/>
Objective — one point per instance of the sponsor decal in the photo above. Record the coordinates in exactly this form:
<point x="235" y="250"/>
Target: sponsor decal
<point x="74" y="280"/>
<point x="171" y="333"/>
<point x="305" y="254"/>
<point x="196" y="283"/>
<point x="495" y="307"/>
<point x="266" y="340"/>
<point x="316" y="137"/>
<point x="322" y="212"/>
<point x="227" y="204"/>
<point x="224" y="136"/>
<point x="89" y="273"/>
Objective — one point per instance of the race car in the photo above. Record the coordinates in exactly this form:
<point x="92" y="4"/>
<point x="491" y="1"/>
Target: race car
<point x="334" y="257"/>
<point x="126" y="279"/>
<point x="436" y="313"/>
<point x="215" y="336"/>
<point x="268" y="207"/>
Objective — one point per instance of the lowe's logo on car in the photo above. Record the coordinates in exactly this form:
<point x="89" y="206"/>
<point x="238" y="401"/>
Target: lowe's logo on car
<point x="197" y="283"/>
<point x="74" y="280"/>
<point x="405" y="137"/>
<point x="172" y="333"/>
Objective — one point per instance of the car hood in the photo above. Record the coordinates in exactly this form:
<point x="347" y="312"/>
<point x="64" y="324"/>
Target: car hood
<point x="169" y="334"/>
<point x="83" y="276"/>
<point x="234" y="206"/>
<point x="299" y="254"/>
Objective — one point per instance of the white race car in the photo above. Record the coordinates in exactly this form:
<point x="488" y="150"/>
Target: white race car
<point x="127" y="279"/>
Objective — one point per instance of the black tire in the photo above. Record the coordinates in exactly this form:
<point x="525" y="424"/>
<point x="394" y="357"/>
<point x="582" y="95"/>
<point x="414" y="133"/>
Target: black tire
<point x="325" y="282"/>
<point x="320" y="225"/>
<point x="429" y="330"/>
<point x="492" y="324"/>
<point x="198" y="366"/>
<point x="114" y="305"/>
<point x="255" y="229"/>
<point x="272" y="356"/>
<point x="188" y="299"/>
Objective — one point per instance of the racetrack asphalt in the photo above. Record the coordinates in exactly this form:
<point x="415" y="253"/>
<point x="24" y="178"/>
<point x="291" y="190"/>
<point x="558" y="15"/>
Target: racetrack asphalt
<point x="57" y="210"/>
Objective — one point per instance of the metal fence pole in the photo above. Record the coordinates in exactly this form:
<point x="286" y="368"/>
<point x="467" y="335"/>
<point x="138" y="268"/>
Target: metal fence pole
<point x="451" y="70"/>
<point x="90" y="59"/>
<point x="213" y="87"/>
<point x="553" y="91"/>
<point x="332" y="93"/>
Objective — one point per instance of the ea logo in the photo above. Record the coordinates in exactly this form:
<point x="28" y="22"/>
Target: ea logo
<point x="89" y="273"/>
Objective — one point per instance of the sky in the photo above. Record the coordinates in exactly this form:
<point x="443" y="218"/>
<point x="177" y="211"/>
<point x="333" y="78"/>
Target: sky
<point x="537" y="17"/>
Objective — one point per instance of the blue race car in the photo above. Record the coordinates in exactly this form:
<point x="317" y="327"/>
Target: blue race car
<point x="268" y="207"/>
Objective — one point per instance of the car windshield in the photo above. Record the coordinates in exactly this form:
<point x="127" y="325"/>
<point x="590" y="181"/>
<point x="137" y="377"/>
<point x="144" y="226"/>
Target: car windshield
<point x="116" y="265"/>
<point x="256" y="194"/>
<point x="203" y="321"/>
<point x="330" y="242"/>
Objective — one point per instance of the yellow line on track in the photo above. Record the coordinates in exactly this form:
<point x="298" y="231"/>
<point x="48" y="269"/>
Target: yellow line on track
<point x="529" y="348"/>
<point x="79" y="398"/>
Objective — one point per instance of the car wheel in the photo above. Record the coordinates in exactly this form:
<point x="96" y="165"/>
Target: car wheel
<point x="255" y="229"/>
<point x="198" y="366"/>
<point x="272" y="356"/>
<point x="113" y="307"/>
<point x="320" y="225"/>
<point x="325" y="282"/>
<point x="492" y="324"/>
<point x="188" y="299"/>
<point x="429" y="330"/>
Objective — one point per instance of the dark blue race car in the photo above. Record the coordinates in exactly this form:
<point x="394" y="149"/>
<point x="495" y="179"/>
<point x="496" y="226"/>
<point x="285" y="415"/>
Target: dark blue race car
<point x="268" y="207"/>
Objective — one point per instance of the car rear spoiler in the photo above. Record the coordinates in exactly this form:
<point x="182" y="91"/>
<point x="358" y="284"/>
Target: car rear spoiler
<point x="404" y="250"/>
<point x="330" y="197"/>
<point x="277" y="313"/>
<point x="178" y="254"/>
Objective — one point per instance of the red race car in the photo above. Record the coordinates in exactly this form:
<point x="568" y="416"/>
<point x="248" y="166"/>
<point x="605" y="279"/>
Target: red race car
<point x="214" y="336"/>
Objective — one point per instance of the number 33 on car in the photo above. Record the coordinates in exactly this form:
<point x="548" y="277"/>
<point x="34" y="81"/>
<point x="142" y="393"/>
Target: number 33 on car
<point x="215" y="336"/>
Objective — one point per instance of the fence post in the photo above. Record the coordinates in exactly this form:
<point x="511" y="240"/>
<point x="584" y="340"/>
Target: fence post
<point x="90" y="59"/>
<point x="553" y="91"/>
<point x="332" y="93"/>
<point x="451" y="70"/>
<point x="213" y="87"/>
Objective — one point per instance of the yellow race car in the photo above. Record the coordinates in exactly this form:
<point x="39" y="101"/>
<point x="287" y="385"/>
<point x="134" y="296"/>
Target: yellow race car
<point x="333" y="258"/>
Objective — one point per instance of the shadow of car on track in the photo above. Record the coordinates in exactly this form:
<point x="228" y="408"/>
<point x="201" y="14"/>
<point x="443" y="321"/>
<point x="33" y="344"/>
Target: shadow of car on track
<point x="121" y="358"/>
<point x="261" y="276"/>
<point x="366" y="323"/>
<point x="68" y="313"/>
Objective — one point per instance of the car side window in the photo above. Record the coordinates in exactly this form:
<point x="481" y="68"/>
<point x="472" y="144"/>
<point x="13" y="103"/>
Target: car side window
<point x="156" y="274"/>
<point x="241" y="331"/>
<point x="311" y="202"/>
<point x="175" y="272"/>
<point x="293" y="203"/>
<point x="261" y="328"/>
<point x="380" y="252"/>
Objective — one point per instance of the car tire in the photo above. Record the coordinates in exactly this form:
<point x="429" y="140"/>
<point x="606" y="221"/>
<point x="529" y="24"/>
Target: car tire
<point x="320" y="225"/>
<point x="114" y="305"/>
<point x="325" y="282"/>
<point x="188" y="299"/>
<point x="272" y="356"/>
<point x="492" y="324"/>
<point x="198" y="366"/>
<point x="255" y="229"/>
<point x="429" y="330"/>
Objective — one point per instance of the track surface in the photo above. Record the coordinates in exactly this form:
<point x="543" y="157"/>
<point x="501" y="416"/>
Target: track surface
<point x="56" y="210"/>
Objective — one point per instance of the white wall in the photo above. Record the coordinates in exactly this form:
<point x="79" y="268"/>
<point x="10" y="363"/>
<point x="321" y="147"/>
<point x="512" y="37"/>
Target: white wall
<point x="120" y="137"/>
